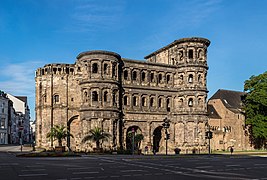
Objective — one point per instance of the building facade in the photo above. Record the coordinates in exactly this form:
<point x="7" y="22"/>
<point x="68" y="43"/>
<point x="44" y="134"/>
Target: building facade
<point x="227" y="121"/>
<point x="123" y="95"/>
<point x="19" y="120"/>
<point x="3" y="118"/>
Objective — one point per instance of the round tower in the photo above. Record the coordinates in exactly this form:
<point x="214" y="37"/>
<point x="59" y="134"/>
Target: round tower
<point x="191" y="60"/>
<point x="100" y="87"/>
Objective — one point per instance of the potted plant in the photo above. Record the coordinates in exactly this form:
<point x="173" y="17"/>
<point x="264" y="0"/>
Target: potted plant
<point x="58" y="132"/>
<point x="96" y="135"/>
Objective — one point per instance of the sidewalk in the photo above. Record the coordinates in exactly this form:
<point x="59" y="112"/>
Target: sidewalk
<point x="14" y="148"/>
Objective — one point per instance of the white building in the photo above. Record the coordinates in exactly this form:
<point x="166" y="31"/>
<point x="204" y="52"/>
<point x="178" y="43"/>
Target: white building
<point x="3" y="118"/>
<point x="21" y="124"/>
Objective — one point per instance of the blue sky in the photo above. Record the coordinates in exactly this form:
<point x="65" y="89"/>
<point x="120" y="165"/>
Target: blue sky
<point x="37" y="32"/>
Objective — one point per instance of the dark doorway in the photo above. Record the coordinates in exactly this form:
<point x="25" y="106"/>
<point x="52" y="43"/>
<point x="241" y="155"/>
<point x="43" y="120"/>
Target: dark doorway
<point x="156" y="138"/>
<point x="129" y="140"/>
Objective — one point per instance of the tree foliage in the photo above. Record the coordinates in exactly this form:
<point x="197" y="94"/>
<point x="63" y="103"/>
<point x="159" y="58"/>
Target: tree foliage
<point x="58" y="132"/>
<point x="256" y="108"/>
<point x="96" y="135"/>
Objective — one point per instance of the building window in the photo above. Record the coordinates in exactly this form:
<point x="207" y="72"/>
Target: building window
<point x="134" y="75"/>
<point x="168" y="105"/>
<point x="105" y="96"/>
<point x="199" y="78"/>
<point x="134" y="101"/>
<point x="95" y="68"/>
<point x="190" y="102"/>
<point x="143" y="101"/>
<point x="143" y="76"/>
<point x="125" y="100"/>
<point x="168" y="78"/>
<point x="190" y="78"/>
<point x="56" y="98"/>
<point x="114" y="97"/>
<point x="152" y="77"/>
<point x="160" y="78"/>
<point x="105" y="68"/>
<point x="125" y="74"/>
<point x="160" y="103"/>
<point x="94" y="96"/>
<point x="152" y="102"/>
<point x="190" y="54"/>
<point x="114" y="69"/>
<point x="2" y="124"/>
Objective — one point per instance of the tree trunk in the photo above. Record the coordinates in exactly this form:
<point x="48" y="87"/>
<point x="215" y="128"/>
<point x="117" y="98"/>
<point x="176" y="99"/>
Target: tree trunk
<point x="59" y="142"/>
<point x="97" y="144"/>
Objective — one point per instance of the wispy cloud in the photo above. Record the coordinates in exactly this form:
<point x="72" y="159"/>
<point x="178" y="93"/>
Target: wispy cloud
<point x="181" y="18"/>
<point x="18" y="80"/>
<point x="93" y="16"/>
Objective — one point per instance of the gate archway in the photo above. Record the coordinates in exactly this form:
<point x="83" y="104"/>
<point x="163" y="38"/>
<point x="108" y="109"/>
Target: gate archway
<point x="157" y="135"/>
<point x="137" y="130"/>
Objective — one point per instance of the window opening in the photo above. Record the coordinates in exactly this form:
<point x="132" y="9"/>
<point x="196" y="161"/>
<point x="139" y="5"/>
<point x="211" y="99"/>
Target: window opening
<point x="168" y="78"/>
<point x="105" y="96"/>
<point x="190" y="78"/>
<point x="105" y="68"/>
<point x="95" y="68"/>
<point x="134" y="75"/>
<point x="168" y="105"/>
<point x="125" y="74"/>
<point x="125" y="99"/>
<point x="190" y="102"/>
<point x="152" y="102"/>
<point x="135" y="101"/>
<point x="152" y="77"/>
<point x="160" y="78"/>
<point x="143" y="101"/>
<point x="94" y="96"/>
<point x="190" y="55"/>
<point x="143" y="76"/>
<point x="160" y="102"/>
<point x="56" y="98"/>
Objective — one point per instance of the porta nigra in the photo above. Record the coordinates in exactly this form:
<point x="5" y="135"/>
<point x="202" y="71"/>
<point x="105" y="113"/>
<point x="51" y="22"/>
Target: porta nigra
<point x="102" y="89"/>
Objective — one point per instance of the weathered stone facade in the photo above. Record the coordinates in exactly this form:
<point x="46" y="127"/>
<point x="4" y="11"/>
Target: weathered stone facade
<point x="119" y="95"/>
<point x="227" y="121"/>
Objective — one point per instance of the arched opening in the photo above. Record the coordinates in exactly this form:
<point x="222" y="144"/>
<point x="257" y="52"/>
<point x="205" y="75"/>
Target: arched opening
<point x="157" y="138"/>
<point x="105" y="96"/>
<point x="129" y="138"/>
<point x="95" y="68"/>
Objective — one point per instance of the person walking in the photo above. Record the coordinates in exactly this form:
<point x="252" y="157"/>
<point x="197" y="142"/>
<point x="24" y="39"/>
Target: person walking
<point x="231" y="150"/>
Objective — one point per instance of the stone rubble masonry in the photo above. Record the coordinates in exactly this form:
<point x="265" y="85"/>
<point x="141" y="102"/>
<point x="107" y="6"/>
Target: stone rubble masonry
<point x="119" y="94"/>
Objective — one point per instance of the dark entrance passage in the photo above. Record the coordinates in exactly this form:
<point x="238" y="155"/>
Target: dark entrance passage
<point x="156" y="138"/>
<point x="137" y="130"/>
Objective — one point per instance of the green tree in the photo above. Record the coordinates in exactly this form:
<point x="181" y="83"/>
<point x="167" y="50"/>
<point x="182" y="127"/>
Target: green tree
<point x="256" y="108"/>
<point x="96" y="135"/>
<point x="58" y="132"/>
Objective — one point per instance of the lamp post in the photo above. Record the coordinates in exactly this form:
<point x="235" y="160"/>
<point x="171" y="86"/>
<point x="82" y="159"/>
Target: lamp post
<point x="166" y="125"/>
<point x="133" y="141"/>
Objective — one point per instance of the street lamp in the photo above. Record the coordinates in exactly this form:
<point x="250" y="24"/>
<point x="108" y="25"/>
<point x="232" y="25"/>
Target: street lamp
<point x="166" y="125"/>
